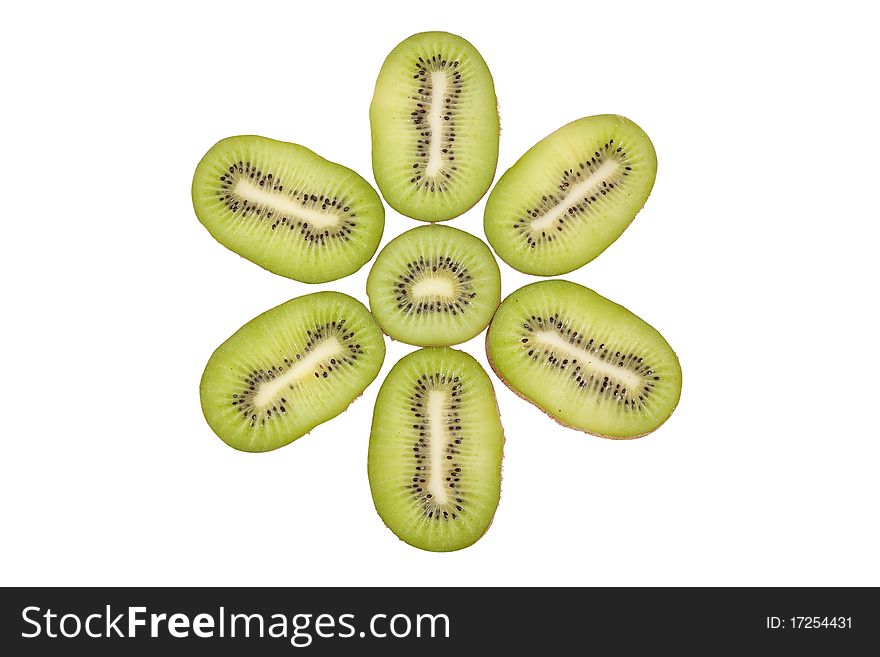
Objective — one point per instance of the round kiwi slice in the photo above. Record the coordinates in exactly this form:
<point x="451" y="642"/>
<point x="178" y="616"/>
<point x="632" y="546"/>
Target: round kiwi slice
<point x="584" y="360"/>
<point x="290" y="369"/>
<point x="571" y="195"/>
<point x="287" y="209"/>
<point x="434" y="121"/>
<point x="434" y="286"/>
<point x="435" y="450"/>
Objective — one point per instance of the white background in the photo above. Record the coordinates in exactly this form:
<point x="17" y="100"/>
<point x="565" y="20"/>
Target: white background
<point x="755" y="256"/>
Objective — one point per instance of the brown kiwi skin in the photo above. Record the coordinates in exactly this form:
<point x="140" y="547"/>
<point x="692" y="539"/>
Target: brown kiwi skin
<point x="556" y="419"/>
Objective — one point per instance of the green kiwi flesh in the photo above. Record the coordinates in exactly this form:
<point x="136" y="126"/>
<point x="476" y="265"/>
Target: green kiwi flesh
<point x="434" y="122"/>
<point x="571" y="195"/>
<point x="290" y="369"/>
<point x="584" y="360"/>
<point x="435" y="451"/>
<point x="434" y="286"/>
<point x="287" y="209"/>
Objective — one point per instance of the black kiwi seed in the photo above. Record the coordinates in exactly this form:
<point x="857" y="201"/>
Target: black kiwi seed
<point x="428" y="383"/>
<point x="242" y="207"/>
<point x="594" y="383"/>
<point x="251" y="382"/>
<point x="458" y="274"/>
<point x="423" y="100"/>
<point x="585" y="206"/>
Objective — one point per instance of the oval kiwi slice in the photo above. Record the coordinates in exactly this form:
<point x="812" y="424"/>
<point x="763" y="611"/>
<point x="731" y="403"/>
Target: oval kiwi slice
<point x="435" y="450"/>
<point x="571" y="195"/>
<point x="585" y="361"/>
<point x="434" y="121"/>
<point x="287" y="209"/>
<point x="434" y="286"/>
<point x="290" y="369"/>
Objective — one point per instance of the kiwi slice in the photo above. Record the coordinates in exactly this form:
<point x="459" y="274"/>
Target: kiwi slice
<point x="434" y="286"/>
<point x="435" y="450"/>
<point x="434" y="121"/>
<point x="571" y="195"/>
<point x="584" y="360"/>
<point x="287" y="209"/>
<point x="290" y="369"/>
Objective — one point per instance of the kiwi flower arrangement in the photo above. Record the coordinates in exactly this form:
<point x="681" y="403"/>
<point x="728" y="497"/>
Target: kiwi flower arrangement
<point x="436" y="440"/>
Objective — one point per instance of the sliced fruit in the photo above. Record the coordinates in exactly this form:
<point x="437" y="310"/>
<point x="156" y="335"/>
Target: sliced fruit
<point x="434" y="285"/>
<point x="571" y="195"/>
<point x="290" y="369"/>
<point x="287" y="209"/>
<point x="435" y="450"/>
<point x="584" y="360"/>
<point x="434" y="120"/>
